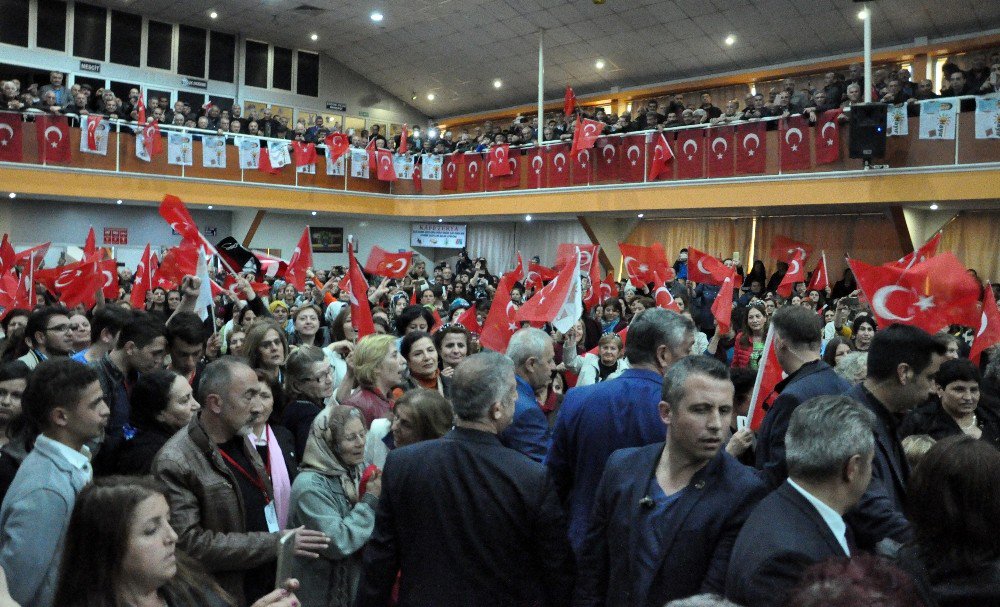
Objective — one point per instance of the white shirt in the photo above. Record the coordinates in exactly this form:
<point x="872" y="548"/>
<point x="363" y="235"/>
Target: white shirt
<point x="78" y="459"/>
<point x="830" y="516"/>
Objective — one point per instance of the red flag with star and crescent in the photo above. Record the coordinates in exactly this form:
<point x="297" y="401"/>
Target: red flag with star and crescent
<point x="338" y="143"/>
<point x="357" y="286"/>
<point x="559" y="302"/>
<point x="820" y="280"/>
<point x="606" y="153"/>
<point x="152" y="143"/>
<point x="784" y="248"/>
<point x="538" y="275"/>
<point x="143" y="279"/>
<point x="585" y="134"/>
<point x="473" y="172"/>
<point x="301" y="261"/>
<point x="793" y="141"/>
<point x="925" y="252"/>
<point x="703" y="268"/>
<point x="690" y="158"/>
<point x="642" y="262"/>
<point x="449" y="172"/>
<point x="662" y="156"/>
<point x="93" y="126"/>
<point x="751" y="148"/>
<point x="722" y="307"/>
<point x="988" y="333"/>
<point x="662" y="295"/>
<point x="581" y="167"/>
<point x="828" y="138"/>
<point x="497" y="162"/>
<point x="388" y="265"/>
<point x="53" y="139"/>
<point x="796" y="272"/>
<point x="721" y="151"/>
<point x="10" y="137"/>
<point x="557" y="160"/>
<point x="609" y="288"/>
<point x="501" y="321"/>
<point x="633" y="159"/>
<point x="385" y="170"/>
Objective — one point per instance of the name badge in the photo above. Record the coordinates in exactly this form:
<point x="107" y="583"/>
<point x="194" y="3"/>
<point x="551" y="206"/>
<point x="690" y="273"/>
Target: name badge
<point x="271" y="516"/>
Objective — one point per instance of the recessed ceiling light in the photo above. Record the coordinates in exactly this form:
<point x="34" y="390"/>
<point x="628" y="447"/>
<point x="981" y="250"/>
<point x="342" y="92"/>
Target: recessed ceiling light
<point x="599" y="64"/>
<point x="377" y="16"/>
<point x="119" y="201"/>
<point x="314" y="37"/>
<point x="440" y="221"/>
<point x="430" y="96"/>
<point x="527" y="217"/>
<point x="730" y="40"/>
<point x="314" y="213"/>
<point x="12" y="195"/>
<point x="864" y="14"/>
<point x="497" y="83"/>
<point x="934" y="207"/>
<point x="213" y="15"/>
<point x="641" y="215"/>
<point x="210" y="207"/>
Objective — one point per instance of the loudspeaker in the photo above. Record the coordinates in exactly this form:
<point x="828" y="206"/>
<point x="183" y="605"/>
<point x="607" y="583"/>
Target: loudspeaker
<point x="867" y="130"/>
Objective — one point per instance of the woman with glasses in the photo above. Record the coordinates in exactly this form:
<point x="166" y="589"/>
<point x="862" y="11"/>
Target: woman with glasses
<point x="331" y="495"/>
<point x="308" y="383"/>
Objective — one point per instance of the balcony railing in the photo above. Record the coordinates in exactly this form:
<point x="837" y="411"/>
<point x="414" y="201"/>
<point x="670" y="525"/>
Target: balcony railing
<point x="618" y="160"/>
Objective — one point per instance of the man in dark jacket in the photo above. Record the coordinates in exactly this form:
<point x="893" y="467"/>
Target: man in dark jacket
<point x="666" y="515"/>
<point x="797" y="342"/>
<point x="830" y="446"/>
<point x="464" y="520"/>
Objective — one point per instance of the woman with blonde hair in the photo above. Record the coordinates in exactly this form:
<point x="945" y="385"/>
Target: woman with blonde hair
<point x="378" y="368"/>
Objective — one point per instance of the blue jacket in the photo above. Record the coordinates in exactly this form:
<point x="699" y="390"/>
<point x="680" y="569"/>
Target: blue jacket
<point x="529" y="432"/>
<point x="694" y="554"/>
<point x="595" y="421"/>
<point x="812" y="379"/>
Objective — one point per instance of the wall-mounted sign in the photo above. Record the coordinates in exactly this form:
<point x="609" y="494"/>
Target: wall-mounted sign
<point x="115" y="235"/>
<point x="336" y="107"/>
<point x="90" y="66"/>
<point x="438" y="235"/>
<point x="364" y="114"/>
<point x="194" y="83"/>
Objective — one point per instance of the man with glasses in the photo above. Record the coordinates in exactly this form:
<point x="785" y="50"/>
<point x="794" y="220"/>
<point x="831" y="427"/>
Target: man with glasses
<point x="47" y="334"/>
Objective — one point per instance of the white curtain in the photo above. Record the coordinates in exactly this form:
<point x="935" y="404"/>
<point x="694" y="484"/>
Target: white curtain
<point x="499" y="241"/>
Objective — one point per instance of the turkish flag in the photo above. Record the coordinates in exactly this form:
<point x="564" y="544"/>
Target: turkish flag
<point x="566" y="254"/>
<point x="751" y="148"/>
<point x="690" y="154"/>
<point x="383" y="161"/>
<point x="581" y="167"/>
<point x="449" y="173"/>
<point x="820" y="279"/>
<point x="388" y="265"/>
<point x="93" y="125"/>
<point x="722" y="307"/>
<point x="704" y="268"/>
<point x="513" y="179"/>
<point x="663" y="297"/>
<point x="370" y="148"/>
<point x="10" y="137"/>
<point x="301" y="261"/>
<point x="33" y="257"/>
<point x="606" y="159"/>
<point x="785" y="249"/>
<point x="151" y="140"/>
<point x="501" y="322"/>
<point x="538" y="275"/>
<point x="90" y="245"/>
<point x="338" y="143"/>
<point x="609" y="288"/>
<point x="473" y="172"/>
<point x="585" y="134"/>
<point x="559" y="302"/>
<point x="470" y="320"/>
<point x="569" y="102"/>
<point x="930" y="295"/>
<point x="497" y="165"/>
<point x="264" y="162"/>
<point x="10" y="294"/>
<point x="79" y="282"/>
<point x="172" y="210"/>
<point x="641" y="263"/>
<point x="720" y="152"/>
<point x="141" y="109"/>
<point x="178" y="262"/>
<point x="662" y="156"/>
<point x="357" y="286"/>
<point x="925" y="252"/>
<point x="769" y="374"/>
<point x="793" y="136"/>
<point x="828" y="142"/>
<point x="143" y="279"/>
<point x="403" y="143"/>
<point x="304" y="153"/>
<point x="417" y="177"/>
<point x="557" y="165"/>
<point x="7" y="255"/>
<point x="592" y="296"/>
<point x="796" y="273"/>
<point x="536" y="168"/>
<point x="989" y="329"/>
<point x="53" y="139"/>
<point x="633" y="158"/>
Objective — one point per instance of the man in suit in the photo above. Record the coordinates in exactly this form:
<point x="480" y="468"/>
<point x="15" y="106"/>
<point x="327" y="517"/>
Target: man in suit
<point x="902" y="362"/>
<point x="798" y="337"/>
<point x="596" y="420"/>
<point x="465" y="520"/>
<point x="829" y="449"/>
<point x="666" y="515"/>
<point x="534" y="361"/>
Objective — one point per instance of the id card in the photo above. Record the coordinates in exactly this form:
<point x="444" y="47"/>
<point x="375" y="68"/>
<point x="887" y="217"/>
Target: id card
<point x="271" y="516"/>
<point x="742" y="421"/>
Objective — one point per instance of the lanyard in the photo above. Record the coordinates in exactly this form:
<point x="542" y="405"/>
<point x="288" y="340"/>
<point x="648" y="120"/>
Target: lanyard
<point x="255" y="479"/>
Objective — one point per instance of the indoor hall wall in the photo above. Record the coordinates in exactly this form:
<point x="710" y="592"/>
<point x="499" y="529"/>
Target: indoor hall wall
<point x="973" y="236"/>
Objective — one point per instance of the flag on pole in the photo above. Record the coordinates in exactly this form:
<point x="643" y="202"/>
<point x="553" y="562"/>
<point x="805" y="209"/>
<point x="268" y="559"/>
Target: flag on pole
<point x="204" y="301"/>
<point x="769" y="373"/>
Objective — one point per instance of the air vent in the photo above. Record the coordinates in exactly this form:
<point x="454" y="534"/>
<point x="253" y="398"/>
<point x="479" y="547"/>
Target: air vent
<point x="308" y="8"/>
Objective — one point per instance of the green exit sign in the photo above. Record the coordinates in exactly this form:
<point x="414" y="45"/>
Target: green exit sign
<point x="364" y="114"/>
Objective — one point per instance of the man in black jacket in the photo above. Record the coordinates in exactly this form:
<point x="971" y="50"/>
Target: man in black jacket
<point x="797" y="340"/>
<point x="830" y="446"/>
<point x="465" y="520"/>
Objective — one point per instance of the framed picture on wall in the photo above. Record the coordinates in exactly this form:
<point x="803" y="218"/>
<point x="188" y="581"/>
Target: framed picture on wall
<point x="327" y="240"/>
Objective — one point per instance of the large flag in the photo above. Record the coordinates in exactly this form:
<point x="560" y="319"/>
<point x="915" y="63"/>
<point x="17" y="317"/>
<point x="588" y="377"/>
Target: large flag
<point x="796" y="272"/>
<point x="559" y="303"/>
<point x="337" y="144"/>
<point x="641" y="263"/>
<point x="828" y="142"/>
<point x="930" y="295"/>
<point x="538" y="275"/>
<point x="94" y="134"/>
<point x="937" y="118"/>
<point x="784" y="248"/>
<point x="662" y="156"/>
<point x="10" y="137"/>
<point x="52" y="133"/>
<point x="497" y="165"/>
<point x="720" y="152"/>
<point x="662" y="295"/>
<point x="988" y="117"/>
<point x="566" y="254"/>
<point x="213" y="151"/>
<point x="388" y="265"/>
<point x="172" y="210"/>
<point x="473" y="172"/>
<point x="557" y="165"/>
<point x="569" y="102"/>
<point x="988" y="333"/>
<point x="305" y="153"/>
<point x="703" y="268"/>
<point x="769" y="374"/>
<point x="585" y="134"/>
<point x="925" y="252"/>
<point x="501" y="321"/>
<point x="301" y="261"/>
<point x="633" y="158"/>
<point x="355" y="284"/>
<point x="609" y="288"/>
<point x="722" y="307"/>
<point x="820" y="280"/>
<point x="239" y="257"/>
<point x="606" y="158"/>
<point x="751" y="148"/>
<point x="897" y="123"/>
<point x="449" y="174"/>
<point x="690" y="154"/>
<point x="178" y="262"/>
<point x="143" y="279"/>
<point x="581" y="167"/>
<point x="385" y="170"/>
<point x="793" y="142"/>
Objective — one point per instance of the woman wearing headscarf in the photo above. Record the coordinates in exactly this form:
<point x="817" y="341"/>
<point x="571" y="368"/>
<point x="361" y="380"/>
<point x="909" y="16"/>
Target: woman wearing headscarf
<point x="330" y="495"/>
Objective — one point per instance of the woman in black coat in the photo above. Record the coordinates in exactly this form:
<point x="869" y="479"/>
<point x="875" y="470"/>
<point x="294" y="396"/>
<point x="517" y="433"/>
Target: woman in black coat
<point x="162" y="403"/>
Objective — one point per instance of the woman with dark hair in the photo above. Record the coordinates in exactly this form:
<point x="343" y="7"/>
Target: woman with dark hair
<point x="421" y="358"/>
<point x="414" y="318"/>
<point x="266" y="347"/>
<point x="958" y="411"/>
<point x="612" y="321"/>
<point x="454" y="344"/>
<point x="749" y="345"/>
<point x="954" y="504"/>
<point x="15" y="435"/>
<point x="161" y="404"/>
<point x="158" y="302"/>
<point x="845" y="286"/>
<point x="121" y="550"/>
<point x="308" y="331"/>
<point x="835" y="349"/>
<point x="308" y="383"/>
<point x="863" y="332"/>
<point x="276" y="447"/>
<point x="421" y="415"/>
<point x="861" y="580"/>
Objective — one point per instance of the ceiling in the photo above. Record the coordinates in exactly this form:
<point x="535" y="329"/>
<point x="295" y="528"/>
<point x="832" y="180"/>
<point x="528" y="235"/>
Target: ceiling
<point x="457" y="48"/>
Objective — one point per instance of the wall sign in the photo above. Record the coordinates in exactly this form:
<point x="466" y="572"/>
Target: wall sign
<point x="115" y="235"/>
<point x="438" y="235"/>
<point x="90" y="66"/>
<point x="194" y="83"/>
<point x="336" y="107"/>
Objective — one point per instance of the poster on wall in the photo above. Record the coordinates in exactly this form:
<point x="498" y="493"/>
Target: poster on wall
<point x="438" y="235"/>
<point x="327" y="240"/>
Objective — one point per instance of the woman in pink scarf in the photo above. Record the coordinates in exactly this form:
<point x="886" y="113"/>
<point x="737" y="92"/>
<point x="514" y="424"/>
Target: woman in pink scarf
<point x="276" y="447"/>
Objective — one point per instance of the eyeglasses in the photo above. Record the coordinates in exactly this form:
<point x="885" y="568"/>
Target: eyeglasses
<point x="325" y="376"/>
<point x="61" y="329"/>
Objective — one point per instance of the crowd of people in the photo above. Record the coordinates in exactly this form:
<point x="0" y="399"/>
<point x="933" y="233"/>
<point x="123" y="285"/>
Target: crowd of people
<point x="272" y="458"/>
<point x="979" y="75"/>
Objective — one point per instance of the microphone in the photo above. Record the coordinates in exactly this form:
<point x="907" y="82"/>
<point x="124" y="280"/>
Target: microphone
<point x="647" y="503"/>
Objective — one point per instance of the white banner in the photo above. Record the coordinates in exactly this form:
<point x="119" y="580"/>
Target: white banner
<point x="937" y="118"/>
<point x="359" y="163"/>
<point x="988" y="117"/>
<point x="249" y="152"/>
<point x="140" y="146"/>
<point x="277" y="152"/>
<point x="896" y="123"/>
<point x="100" y="136"/>
<point x="439" y="235"/>
<point x="179" y="149"/>
<point x="403" y="166"/>
<point x="335" y="168"/>
<point x="432" y="166"/>
<point x="213" y="152"/>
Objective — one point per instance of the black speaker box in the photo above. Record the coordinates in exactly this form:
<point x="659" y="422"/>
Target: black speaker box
<point x="867" y="130"/>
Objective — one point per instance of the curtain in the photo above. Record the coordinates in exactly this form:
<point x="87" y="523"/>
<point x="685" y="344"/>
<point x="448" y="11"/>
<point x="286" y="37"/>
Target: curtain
<point x="500" y="241"/>
<point x="493" y="240"/>
<point x="972" y="236"/>
<point x="718" y="237"/>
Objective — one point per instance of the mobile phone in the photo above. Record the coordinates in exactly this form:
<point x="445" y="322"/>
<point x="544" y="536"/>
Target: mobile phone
<point x="286" y="559"/>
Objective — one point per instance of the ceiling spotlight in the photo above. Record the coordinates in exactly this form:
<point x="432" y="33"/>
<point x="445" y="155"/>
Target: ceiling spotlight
<point x="599" y="64"/>
<point x="641" y="215"/>
<point x="377" y="16"/>
<point x="934" y="207"/>
<point x="314" y="37"/>
<point x="730" y="40"/>
<point x="314" y="213"/>
<point x="213" y="15"/>
<point x="119" y="201"/>
<point x="432" y="133"/>
<point x="864" y="14"/>
<point x="210" y="207"/>
<point x="527" y="217"/>
<point x="430" y="96"/>
<point x="497" y="83"/>
<point x="413" y="96"/>
<point x="440" y="221"/>
<point x="12" y="195"/>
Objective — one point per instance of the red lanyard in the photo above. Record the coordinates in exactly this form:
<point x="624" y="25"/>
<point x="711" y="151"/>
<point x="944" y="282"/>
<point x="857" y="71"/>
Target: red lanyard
<point x="255" y="479"/>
